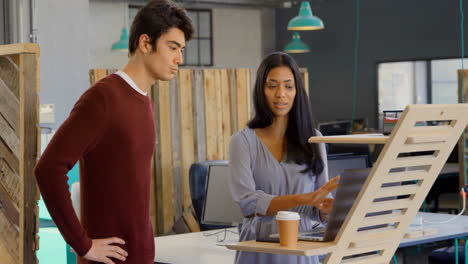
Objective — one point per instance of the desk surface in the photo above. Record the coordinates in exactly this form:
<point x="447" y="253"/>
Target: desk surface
<point x="196" y="247"/>
<point x="199" y="248"/>
<point x="353" y="139"/>
<point x="447" y="231"/>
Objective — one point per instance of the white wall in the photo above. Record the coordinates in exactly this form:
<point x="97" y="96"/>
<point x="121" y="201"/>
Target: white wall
<point x="76" y="36"/>
<point x="237" y="35"/>
<point x="237" y="38"/>
<point x="63" y="39"/>
<point x="106" y="20"/>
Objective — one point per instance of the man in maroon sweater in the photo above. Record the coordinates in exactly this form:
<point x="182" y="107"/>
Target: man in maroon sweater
<point x="111" y="132"/>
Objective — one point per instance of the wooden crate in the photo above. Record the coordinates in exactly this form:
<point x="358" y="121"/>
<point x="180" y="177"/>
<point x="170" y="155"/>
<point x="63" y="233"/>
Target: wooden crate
<point x="19" y="148"/>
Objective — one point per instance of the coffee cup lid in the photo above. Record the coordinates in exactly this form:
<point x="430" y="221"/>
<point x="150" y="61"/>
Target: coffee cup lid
<point x="287" y="215"/>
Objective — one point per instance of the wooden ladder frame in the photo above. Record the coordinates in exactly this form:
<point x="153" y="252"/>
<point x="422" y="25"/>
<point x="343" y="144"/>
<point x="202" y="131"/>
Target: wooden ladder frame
<point x="394" y="165"/>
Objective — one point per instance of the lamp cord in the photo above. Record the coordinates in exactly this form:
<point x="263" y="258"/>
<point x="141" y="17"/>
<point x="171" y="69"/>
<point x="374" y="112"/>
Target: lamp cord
<point x="453" y="218"/>
<point x="356" y="52"/>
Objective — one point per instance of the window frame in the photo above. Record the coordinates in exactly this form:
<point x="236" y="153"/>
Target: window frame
<point x="198" y="38"/>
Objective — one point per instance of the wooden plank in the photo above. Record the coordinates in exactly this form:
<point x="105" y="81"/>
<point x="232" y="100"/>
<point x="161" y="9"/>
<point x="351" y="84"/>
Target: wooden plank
<point x="211" y="125"/>
<point x="190" y="221"/>
<point x="99" y="74"/>
<point x="199" y="115"/>
<point x="91" y="77"/>
<point x="176" y="148"/>
<point x="166" y="158"/>
<point x="368" y="243"/>
<point x="9" y="137"/>
<point x="414" y="161"/>
<point x="219" y="115"/>
<point x="226" y="112"/>
<point x="233" y="97"/>
<point x="303" y="248"/>
<point x="156" y="207"/>
<point x="352" y="139"/>
<point x="382" y="233"/>
<point x="243" y="105"/>
<point x="413" y="139"/>
<point x="398" y="190"/>
<point x="405" y="176"/>
<point x="187" y="133"/>
<point x="374" y="259"/>
<point x="421" y="147"/>
<point x="111" y="71"/>
<point x="381" y="219"/>
<point x="9" y="105"/>
<point x="374" y="248"/>
<point x="153" y="200"/>
<point x="29" y="117"/>
<point x="10" y="210"/>
<point x="10" y="181"/>
<point x="11" y="160"/>
<point x="96" y="74"/>
<point x="251" y="79"/>
<point x="389" y="205"/>
<point x="9" y="237"/>
<point x="305" y="79"/>
<point x="17" y="48"/>
<point x="9" y="74"/>
<point x="5" y="257"/>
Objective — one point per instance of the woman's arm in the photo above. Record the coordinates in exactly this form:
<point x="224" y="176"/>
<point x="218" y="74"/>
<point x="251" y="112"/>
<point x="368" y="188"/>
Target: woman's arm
<point x="317" y="199"/>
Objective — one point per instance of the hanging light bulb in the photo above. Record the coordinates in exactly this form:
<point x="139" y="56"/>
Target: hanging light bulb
<point x="296" y="45"/>
<point x="122" y="44"/>
<point x="305" y="20"/>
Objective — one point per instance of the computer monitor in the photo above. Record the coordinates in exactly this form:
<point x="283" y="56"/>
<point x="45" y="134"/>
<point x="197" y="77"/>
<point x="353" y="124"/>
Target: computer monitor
<point x="335" y="128"/>
<point x="219" y="208"/>
<point x="350" y="149"/>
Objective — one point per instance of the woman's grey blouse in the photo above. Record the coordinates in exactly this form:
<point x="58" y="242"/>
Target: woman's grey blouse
<point x="256" y="177"/>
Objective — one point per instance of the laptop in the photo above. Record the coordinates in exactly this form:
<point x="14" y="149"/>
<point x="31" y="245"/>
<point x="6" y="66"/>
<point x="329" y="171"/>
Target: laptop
<point x="351" y="183"/>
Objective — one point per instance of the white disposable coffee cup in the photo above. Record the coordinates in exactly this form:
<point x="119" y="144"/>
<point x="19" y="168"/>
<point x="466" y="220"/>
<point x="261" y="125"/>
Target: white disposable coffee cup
<point x="288" y="227"/>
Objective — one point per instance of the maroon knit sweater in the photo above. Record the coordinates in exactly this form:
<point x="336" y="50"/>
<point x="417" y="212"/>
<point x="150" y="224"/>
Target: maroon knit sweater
<point x="111" y="132"/>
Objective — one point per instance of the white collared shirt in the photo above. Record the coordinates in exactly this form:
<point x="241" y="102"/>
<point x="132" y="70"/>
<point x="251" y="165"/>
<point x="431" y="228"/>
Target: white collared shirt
<point x="130" y="82"/>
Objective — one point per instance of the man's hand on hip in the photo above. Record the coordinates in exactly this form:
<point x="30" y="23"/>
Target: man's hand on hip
<point x="103" y="249"/>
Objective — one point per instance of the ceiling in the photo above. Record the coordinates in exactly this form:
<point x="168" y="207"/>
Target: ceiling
<point x="252" y="3"/>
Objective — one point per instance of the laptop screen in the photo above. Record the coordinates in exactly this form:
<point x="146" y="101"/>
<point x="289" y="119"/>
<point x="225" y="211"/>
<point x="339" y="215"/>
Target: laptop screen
<point x="351" y="183"/>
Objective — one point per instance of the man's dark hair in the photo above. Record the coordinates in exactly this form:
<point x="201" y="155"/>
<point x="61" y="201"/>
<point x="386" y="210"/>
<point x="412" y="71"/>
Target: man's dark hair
<point x="300" y="124"/>
<point x="155" y="19"/>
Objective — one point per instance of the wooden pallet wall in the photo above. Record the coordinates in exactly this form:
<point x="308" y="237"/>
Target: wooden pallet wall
<point x="19" y="148"/>
<point x="196" y="113"/>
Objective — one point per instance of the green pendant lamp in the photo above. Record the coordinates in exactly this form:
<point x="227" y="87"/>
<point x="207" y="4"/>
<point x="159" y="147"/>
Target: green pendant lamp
<point x="305" y="20"/>
<point x="122" y="44"/>
<point x="296" y="45"/>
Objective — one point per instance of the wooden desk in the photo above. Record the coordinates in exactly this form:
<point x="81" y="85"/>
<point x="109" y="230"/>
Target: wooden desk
<point x="197" y="248"/>
<point x="353" y="139"/>
<point x="456" y="229"/>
